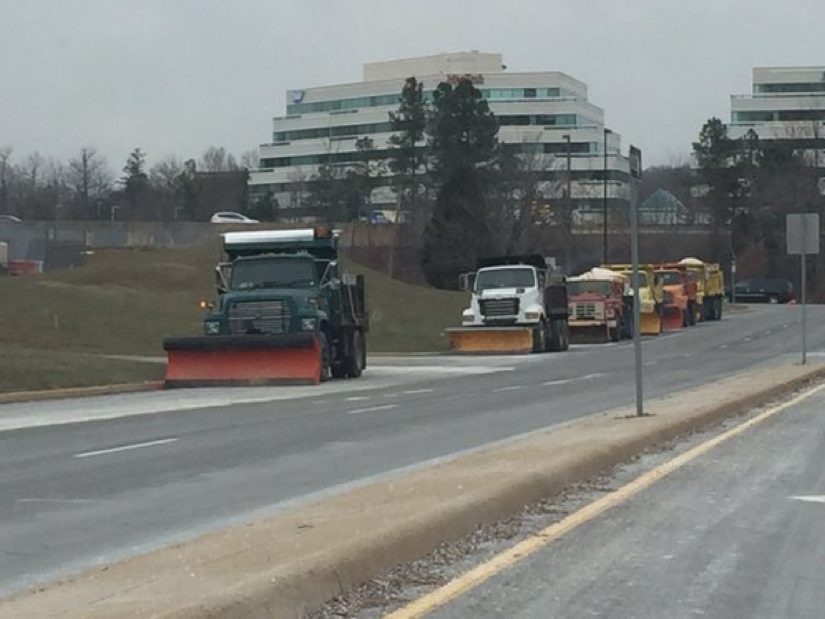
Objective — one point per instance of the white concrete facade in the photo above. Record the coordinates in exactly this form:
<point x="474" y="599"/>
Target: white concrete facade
<point x="535" y="109"/>
<point x="786" y="103"/>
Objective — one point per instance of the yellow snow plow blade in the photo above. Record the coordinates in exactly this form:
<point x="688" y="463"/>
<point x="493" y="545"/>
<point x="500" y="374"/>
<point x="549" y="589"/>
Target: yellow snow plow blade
<point x="491" y="340"/>
<point x="651" y="324"/>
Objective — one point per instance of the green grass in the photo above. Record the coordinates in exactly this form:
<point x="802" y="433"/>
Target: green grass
<point x="126" y="301"/>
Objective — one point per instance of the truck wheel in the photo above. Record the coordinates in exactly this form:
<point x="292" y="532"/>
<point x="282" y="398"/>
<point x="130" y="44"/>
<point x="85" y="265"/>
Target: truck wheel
<point x="540" y="338"/>
<point x="325" y="365"/>
<point x="353" y="365"/>
<point x="717" y="315"/>
<point x="691" y="314"/>
<point x="613" y="334"/>
<point x="565" y="335"/>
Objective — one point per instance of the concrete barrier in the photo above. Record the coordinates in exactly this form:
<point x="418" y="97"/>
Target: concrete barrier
<point x="288" y="564"/>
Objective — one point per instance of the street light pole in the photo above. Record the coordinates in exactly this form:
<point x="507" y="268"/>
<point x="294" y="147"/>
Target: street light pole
<point x="604" y="205"/>
<point x="566" y="137"/>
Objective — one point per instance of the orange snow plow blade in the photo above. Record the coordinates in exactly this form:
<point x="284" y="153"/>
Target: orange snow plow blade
<point x="673" y="318"/>
<point x="242" y="360"/>
<point x="491" y="340"/>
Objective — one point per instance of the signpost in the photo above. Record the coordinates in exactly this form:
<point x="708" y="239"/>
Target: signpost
<point x="803" y="240"/>
<point x="635" y="156"/>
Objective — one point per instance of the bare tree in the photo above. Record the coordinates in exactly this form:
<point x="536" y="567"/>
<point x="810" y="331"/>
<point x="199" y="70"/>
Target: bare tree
<point x="217" y="159"/>
<point x="5" y="177"/>
<point x="90" y="179"/>
<point x="249" y="159"/>
<point x="166" y="180"/>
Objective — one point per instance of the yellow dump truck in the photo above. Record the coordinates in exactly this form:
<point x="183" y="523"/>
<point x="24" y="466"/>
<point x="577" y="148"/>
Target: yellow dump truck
<point x="710" y="287"/>
<point x="651" y="295"/>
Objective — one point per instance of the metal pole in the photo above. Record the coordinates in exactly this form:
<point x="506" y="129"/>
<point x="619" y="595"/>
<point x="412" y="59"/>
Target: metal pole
<point x="637" y="309"/>
<point x="802" y="259"/>
<point x="604" y="209"/>
<point x="569" y="177"/>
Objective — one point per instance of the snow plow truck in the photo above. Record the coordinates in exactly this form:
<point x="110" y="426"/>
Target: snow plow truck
<point x="285" y="314"/>
<point x="600" y="307"/>
<point x="517" y="305"/>
<point x="651" y="295"/>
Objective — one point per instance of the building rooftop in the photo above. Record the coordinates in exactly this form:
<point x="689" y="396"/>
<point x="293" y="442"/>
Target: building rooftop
<point x="436" y="64"/>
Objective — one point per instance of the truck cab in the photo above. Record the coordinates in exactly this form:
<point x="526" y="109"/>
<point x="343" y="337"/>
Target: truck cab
<point x="599" y="305"/>
<point x="506" y="295"/>
<point x="282" y="282"/>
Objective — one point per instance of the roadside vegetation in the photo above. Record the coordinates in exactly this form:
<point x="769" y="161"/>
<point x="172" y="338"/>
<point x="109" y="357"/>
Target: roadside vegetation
<point x="58" y="327"/>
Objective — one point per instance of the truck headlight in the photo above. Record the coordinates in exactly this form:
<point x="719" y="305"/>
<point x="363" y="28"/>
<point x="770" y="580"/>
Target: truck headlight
<point x="307" y="324"/>
<point x="212" y="327"/>
<point x="532" y="316"/>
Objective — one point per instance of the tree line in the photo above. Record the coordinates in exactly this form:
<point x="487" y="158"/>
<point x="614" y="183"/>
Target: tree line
<point x="86" y="187"/>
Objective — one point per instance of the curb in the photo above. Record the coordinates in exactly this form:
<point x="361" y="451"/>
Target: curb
<point x="289" y="564"/>
<point x="14" y="397"/>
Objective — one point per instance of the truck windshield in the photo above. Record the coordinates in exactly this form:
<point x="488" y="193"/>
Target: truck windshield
<point x="670" y="278"/>
<point x="505" y="278"/>
<point x="642" y="279"/>
<point x="589" y="286"/>
<point x="273" y="273"/>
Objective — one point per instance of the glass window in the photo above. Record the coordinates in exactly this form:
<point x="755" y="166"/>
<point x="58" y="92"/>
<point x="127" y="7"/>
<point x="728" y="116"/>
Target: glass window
<point x="505" y="278"/>
<point x="529" y="93"/>
<point x="273" y="273"/>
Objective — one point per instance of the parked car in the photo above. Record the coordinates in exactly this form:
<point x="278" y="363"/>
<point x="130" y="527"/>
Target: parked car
<point x="10" y="219"/>
<point x="764" y="290"/>
<point x="228" y="217"/>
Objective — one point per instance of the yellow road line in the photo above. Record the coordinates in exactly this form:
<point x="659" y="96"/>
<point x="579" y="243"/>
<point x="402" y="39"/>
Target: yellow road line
<point x="469" y="580"/>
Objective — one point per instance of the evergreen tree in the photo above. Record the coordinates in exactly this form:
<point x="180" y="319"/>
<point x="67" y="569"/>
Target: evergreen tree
<point x="407" y="155"/>
<point x="464" y="148"/>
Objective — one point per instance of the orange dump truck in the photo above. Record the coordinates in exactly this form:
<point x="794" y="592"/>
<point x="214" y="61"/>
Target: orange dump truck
<point x="680" y="309"/>
<point x="710" y="287"/>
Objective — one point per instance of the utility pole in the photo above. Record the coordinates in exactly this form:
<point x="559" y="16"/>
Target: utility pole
<point x="566" y="137"/>
<point x="604" y="209"/>
<point x="635" y="157"/>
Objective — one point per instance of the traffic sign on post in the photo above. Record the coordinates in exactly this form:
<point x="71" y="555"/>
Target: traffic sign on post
<point x="635" y="156"/>
<point x="802" y="230"/>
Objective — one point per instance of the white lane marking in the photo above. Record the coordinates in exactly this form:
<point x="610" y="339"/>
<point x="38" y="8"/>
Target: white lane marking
<point x="562" y="381"/>
<point x="357" y="398"/>
<point x="52" y="500"/>
<point x="649" y="363"/>
<point x="100" y="452"/>
<point x="371" y="409"/>
<point x="748" y="339"/>
<point x="723" y="346"/>
<point x="786" y="326"/>
<point x="417" y="391"/>
<point x="510" y="388"/>
<point x="815" y="498"/>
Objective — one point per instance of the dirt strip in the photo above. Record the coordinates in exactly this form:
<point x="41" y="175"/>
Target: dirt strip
<point x="287" y="565"/>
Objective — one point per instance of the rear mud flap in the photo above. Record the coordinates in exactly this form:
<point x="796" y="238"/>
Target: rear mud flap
<point x="491" y="340"/>
<point x="225" y="360"/>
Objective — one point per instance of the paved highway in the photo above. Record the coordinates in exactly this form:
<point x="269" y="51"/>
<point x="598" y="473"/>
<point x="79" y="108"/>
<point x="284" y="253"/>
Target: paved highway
<point x="89" y="480"/>
<point x="734" y="533"/>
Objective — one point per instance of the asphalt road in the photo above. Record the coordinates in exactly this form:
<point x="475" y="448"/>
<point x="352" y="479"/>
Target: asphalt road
<point x="735" y="533"/>
<point x="90" y="480"/>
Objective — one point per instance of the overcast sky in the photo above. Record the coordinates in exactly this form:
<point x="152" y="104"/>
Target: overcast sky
<point x="176" y="76"/>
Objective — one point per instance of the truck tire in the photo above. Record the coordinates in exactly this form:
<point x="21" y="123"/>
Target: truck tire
<point x="353" y="365"/>
<point x="614" y="334"/>
<point x="691" y="314"/>
<point x="325" y="356"/>
<point x="718" y="304"/>
<point x="564" y="327"/>
<point x="540" y="337"/>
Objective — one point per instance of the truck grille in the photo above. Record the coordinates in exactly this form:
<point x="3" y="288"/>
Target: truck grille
<point x="259" y="317"/>
<point x="588" y="311"/>
<point x="494" y="308"/>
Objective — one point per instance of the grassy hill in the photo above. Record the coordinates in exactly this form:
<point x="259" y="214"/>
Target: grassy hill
<point x="56" y="326"/>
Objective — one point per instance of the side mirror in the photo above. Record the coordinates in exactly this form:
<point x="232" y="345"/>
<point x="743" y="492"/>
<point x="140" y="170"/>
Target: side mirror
<point x="222" y="274"/>
<point x="466" y="281"/>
